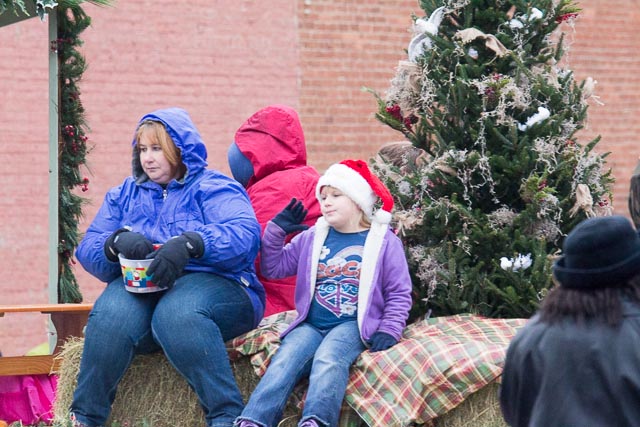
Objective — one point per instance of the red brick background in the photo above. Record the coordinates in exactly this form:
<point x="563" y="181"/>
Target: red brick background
<point x="222" y="61"/>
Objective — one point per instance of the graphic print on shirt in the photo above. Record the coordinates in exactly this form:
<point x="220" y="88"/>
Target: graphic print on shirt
<point x="338" y="278"/>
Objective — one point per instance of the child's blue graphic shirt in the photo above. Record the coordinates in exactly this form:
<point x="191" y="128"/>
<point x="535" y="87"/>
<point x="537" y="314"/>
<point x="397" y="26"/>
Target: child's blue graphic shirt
<point x="336" y="295"/>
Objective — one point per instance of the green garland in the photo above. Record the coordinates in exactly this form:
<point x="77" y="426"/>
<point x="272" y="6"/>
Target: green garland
<point x="72" y="145"/>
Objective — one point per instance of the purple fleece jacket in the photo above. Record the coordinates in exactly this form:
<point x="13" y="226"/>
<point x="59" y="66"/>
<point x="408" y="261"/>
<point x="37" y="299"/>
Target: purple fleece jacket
<point x="384" y="297"/>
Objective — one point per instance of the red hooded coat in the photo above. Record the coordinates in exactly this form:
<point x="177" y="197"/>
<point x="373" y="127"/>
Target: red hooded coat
<point x="273" y="140"/>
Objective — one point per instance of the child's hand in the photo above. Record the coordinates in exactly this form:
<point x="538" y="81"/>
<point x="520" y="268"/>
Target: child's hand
<point x="381" y="341"/>
<point x="291" y="217"/>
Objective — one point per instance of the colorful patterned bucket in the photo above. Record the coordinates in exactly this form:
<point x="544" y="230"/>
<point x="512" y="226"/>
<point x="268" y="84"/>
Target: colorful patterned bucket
<point x="134" y="274"/>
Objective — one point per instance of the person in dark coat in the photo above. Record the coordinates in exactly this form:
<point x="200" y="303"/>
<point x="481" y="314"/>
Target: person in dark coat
<point x="269" y="158"/>
<point x="577" y="361"/>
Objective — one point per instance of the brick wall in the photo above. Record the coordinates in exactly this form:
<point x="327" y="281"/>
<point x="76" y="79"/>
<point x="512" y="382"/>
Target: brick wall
<point x="222" y="61"/>
<point x="24" y="177"/>
<point x="605" y="47"/>
<point x="346" y="45"/>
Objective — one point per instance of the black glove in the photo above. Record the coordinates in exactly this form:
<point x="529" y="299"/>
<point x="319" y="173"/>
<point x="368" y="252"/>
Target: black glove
<point x="172" y="257"/>
<point x="130" y="244"/>
<point x="381" y="341"/>
<point x="291" y="217"/>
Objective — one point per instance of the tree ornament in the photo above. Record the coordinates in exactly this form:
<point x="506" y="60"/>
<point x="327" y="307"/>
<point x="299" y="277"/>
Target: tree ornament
<point x="491" y="41"/>
<point x="584" y="201"/>
<point x="422" y="29"/>
<point x="540" y="116"/>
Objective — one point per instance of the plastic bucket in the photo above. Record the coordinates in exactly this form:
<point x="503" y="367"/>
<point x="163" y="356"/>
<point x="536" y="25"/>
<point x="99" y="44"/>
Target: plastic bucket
<point x="134" y="275"/>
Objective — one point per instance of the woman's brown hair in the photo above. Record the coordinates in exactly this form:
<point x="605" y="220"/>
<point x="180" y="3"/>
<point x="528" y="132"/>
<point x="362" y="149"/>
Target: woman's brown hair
<point x="157" y="133"/>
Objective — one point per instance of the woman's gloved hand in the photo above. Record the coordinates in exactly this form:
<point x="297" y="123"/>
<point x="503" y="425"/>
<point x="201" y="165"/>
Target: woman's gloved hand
<point x="290" y="218"/>
<point x="381" y="341"/>
<point x="130" y="244"/>
<point x="171" y="258"/>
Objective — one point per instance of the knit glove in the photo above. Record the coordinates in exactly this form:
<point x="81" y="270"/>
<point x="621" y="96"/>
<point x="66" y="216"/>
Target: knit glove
<point x="130" y="244"/>
<point x="290" y="218"/>
<point x="171" y="258"/>
<point x="381" y="341"/>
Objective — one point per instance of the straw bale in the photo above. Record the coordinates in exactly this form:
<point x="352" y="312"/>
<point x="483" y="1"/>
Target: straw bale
<point x="481" y="409"/>
<point x="153" y="394"/>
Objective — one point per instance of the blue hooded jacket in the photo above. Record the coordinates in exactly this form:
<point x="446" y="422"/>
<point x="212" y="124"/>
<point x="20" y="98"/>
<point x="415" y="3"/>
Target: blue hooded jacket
<point x="205" y="201"/>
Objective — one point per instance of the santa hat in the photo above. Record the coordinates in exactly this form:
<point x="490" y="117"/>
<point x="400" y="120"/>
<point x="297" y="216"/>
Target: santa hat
<point x="356" y="181"/>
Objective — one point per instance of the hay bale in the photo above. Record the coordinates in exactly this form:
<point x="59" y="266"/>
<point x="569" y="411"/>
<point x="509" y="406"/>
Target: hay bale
<point x="152" y="393"/>
<point x="152" y="399"/>
<point x="160" y="398"/>
<point x="481" y="409"/>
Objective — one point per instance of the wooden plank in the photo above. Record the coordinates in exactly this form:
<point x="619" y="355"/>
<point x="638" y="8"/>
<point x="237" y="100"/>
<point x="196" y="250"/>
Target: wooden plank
<point x="45" y="308"/>
<point x="68" y="321"/>
<point x="28" y="365"/>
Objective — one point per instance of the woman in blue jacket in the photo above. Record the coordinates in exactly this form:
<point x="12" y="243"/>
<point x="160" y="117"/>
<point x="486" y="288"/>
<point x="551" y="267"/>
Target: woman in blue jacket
<point x="205" y="268"/>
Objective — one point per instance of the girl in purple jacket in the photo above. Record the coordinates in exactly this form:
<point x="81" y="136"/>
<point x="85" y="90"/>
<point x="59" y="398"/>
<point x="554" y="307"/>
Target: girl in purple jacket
<point x="353" y="291"/>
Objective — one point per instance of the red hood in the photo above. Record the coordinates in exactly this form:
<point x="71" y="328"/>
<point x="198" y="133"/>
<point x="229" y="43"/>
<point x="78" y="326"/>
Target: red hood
<point x="273" y="140"/>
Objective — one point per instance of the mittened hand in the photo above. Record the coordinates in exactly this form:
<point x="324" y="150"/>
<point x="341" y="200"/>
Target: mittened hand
<point x="128" y="243"/>
<point x="291" y="217"/>
<point x="172" y="257"/>
<point x="381" y="341"/>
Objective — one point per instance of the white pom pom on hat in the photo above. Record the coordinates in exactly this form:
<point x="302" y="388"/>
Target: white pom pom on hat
<point x="355" y="180"/>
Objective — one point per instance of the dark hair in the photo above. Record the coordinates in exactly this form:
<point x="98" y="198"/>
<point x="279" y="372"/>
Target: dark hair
<point x="600" y="304"/>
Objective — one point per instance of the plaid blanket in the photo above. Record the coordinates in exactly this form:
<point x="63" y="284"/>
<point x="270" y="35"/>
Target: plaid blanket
<point x="438" y="363"/>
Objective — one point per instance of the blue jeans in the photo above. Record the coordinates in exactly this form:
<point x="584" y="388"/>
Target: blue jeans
<point x="189" y="322"/>
<point x="325" y="357"/>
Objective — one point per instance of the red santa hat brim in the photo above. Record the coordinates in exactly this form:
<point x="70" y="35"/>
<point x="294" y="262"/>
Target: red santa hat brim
<point x="354" y="178"/>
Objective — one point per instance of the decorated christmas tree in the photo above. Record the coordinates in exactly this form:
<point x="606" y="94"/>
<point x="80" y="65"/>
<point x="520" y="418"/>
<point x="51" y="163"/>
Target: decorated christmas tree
<point x="495" y="176"/>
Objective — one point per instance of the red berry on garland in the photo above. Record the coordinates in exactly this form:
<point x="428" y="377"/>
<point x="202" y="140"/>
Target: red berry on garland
<point x="409" y="121"/>
<point x="542" y="185"/>
<point x="394" y="111"/>
<point x="566" y="17"/>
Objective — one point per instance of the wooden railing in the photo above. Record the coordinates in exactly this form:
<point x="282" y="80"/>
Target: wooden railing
<point x="68" y="320"/>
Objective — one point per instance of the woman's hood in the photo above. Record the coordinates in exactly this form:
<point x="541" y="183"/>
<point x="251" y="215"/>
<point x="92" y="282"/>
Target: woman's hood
<point x="185" y="136"/>
<point x="273" y="140"/>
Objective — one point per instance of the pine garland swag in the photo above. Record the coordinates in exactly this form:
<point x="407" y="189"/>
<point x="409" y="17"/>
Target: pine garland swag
<point x="72" y="145"/>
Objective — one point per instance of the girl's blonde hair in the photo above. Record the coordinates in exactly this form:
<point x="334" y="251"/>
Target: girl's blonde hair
<point x="364" y="220"/>
<point x="157" y="133"/>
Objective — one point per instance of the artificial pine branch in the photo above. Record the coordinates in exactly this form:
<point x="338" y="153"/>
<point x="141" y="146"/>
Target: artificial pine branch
<point x="72" y="150"/>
